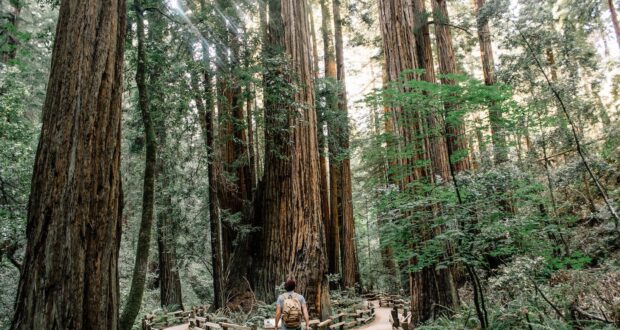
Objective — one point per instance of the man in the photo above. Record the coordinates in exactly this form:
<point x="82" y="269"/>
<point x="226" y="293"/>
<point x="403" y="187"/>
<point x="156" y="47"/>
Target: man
<point x="289" y="306"/>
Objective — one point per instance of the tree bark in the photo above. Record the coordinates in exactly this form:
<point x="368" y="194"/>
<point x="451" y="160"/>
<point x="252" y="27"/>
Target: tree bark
<point x="138" y="281"/>
<point x="69" y="278"/>
<point x="498" y="137"/>
<point x="350" y="267"/>
<point x="169" y="279"/>
<point x="387" y="252"/>
<point x="433" y="291"/>
<point x="322" y="140"/>
<point x="331" y="220"/>
<point x="207" y="119"/>
<point x="171" y="297"/>
<point x="235" y="192"/>
<point x="292" y="239"/>
<point x="404" y="51"/>
<point x="456" y="141"/>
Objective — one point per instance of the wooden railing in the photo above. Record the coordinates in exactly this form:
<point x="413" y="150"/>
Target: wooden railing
<point x="400" y="316"/>
<point x="197" y="319"/>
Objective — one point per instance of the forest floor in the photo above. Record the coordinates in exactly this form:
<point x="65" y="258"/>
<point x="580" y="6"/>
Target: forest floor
<point x="179" y="327"/>
<point x="382" y="319"/>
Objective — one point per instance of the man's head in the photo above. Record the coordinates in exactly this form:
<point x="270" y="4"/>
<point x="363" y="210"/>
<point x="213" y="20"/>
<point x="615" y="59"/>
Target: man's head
<point x="289" y="285"/>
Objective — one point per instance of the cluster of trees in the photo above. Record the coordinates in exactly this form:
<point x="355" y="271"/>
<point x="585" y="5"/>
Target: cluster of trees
<point x="465" y="175"/>
<point x="201" y="150"/>
<point x="270" y="200"/>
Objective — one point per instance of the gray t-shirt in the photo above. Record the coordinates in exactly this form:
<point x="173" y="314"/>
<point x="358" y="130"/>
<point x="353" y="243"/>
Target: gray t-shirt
<point x="282" y="297"/>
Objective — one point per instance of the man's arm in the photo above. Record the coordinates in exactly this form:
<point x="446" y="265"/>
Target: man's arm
<point x="278" y="313"/>
<point x="304" y="307"/>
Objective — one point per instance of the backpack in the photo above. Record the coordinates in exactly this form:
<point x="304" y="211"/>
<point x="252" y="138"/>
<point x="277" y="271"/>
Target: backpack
<point x="291" y="313"/>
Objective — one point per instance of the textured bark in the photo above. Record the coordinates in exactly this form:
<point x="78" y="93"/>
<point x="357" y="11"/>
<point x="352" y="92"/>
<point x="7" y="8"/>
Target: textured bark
<point x="614" y="19"/>
<point x="8" y="39"/>
<point x="387" y="253"/>
<point x="331" y="222"/>
<point x="171" y="297"/>
<point x="498" y="137"/>
<point x="138" y="281"/>
<point x="251" y="145"/>
<point x="323" y="144"/>
<point x="292" y="239"/>
<point x="455" y="126"/>
<point x="350" y="267"/>
<point x="433" y="291"/>
<point x="250" y="100"/>
<point x="434" y="131"/>
<point x="69" y="277"/>
<point x="169" y="279"/>
<point x="207" y="119"/>
<point x="404" y="51"/>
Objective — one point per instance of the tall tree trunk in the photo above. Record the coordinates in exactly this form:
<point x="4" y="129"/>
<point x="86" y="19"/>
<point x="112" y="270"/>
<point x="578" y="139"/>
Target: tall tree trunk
<point x="500" y="148"/>
<point x="322" y="140"/>
<point x="251" y="150"/>
<point x="454" y="125"/>
<point x="208" y="127"/>
<point x="387" y="252"/>
<point x="435" y="142"/>
<point x="250" y="99"/>
<point x="169" y="279"/>
<point x="614" y="19"/>
<point x="235" y="195"/>
<point x="433" y="291"/>
<point x="331" y="222"/>
<point x="69" y="277"/>
<point x="292" y="239"/>
<point x="350" y="267"/>
<point x="429" y="288"/>
<point x="205" y="104"/>
<point x="138" y="281"/>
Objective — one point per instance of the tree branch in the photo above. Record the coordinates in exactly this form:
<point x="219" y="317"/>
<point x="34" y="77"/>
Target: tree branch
<point x="555" y="308"/>
<point x="451" y="25"/>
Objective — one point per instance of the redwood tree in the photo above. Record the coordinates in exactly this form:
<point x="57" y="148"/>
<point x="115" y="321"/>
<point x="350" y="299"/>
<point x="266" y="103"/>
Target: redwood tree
<point x="350" y="270"/>
<point x="454" y="126"/>
<point x="407" y="46"/>
<point x="235" y="190"/>
<point x="331" y="222"/>
<point x="69" y="277"/>
<point x="292" y="240"/>
<point x="498" y="137"/>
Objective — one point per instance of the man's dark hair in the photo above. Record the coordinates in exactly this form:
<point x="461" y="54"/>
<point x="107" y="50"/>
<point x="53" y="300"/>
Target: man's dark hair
<point x="289" y="285"/>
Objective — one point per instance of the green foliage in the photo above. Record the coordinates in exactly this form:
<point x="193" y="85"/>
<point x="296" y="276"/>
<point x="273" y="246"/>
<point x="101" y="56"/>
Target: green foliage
<point x="18" y="132"/>
<point x="577" y="260"/>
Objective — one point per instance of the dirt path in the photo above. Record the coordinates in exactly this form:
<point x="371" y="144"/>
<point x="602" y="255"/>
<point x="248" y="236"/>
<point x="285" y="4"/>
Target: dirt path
<point x="382" y="320"/>
<point x="179" y="327"/>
